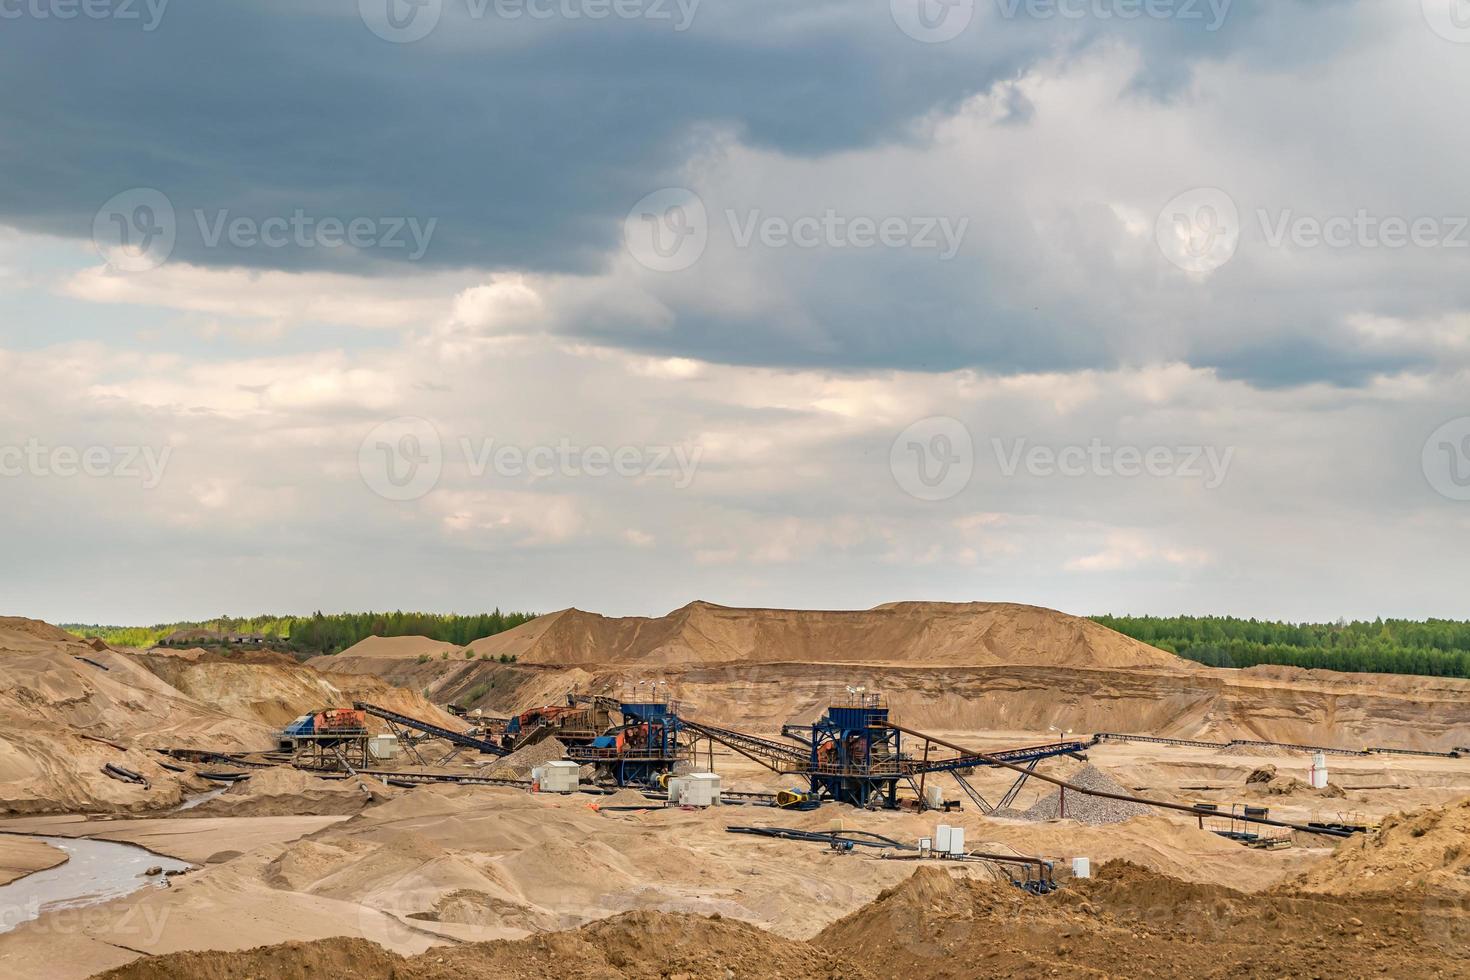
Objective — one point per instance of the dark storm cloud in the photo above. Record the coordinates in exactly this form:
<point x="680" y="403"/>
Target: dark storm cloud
<point x="524" y="144"/>
<point x="527" y="141"/>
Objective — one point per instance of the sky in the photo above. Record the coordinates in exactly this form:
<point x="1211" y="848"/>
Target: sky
<point x="1129" y="306"/>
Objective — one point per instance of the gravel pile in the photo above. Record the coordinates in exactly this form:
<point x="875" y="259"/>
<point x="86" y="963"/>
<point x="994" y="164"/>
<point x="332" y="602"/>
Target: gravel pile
<point x="518" y="764"/>
<point x="1093" y="810"/>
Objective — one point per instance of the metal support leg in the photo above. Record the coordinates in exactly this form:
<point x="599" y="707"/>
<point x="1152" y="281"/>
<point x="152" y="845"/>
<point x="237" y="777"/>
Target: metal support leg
<point x="971" y="792"/>
<point x="1010" y="796"/>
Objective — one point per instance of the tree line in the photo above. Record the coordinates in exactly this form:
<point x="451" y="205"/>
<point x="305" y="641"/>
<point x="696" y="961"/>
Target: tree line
<point x="1435" y="647"/>
<point x="321" y="632"/>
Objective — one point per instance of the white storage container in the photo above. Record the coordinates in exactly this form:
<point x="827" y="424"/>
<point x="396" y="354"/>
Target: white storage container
<point x="383" y="746"/>
<point x="696" y="789"/>
<point x="957" y="840"/>
<point x="934" y="797"/>
<point x="941" y="839"/>
<point x="1081" y="867"/>
<point x="559" y="777"/>
<point x="711" y="782"/>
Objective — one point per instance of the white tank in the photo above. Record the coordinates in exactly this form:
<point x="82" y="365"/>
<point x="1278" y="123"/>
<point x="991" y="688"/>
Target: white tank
<point x="1317" y="775"/>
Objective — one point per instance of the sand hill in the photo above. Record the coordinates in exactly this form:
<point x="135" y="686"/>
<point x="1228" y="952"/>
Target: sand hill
<point x="65" y="717"/>
<point x="398" y="648"/>
<point x="909" y="634"/>
<point x="1126" y="922"/>
<point x="1427" y="849"/>
<point x="943" y="666"/>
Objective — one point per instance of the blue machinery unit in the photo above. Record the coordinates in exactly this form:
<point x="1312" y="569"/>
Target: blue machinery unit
<point x="855" y="754"/>
<point x="646" y="745"/>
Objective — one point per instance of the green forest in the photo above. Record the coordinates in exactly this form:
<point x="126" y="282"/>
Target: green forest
<point x="1438" y="647"/>
<point x="322" y="633"/>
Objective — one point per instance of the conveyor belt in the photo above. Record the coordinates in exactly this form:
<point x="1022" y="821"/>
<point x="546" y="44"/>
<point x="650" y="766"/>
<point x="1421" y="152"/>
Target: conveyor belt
<point x="773" y="755"/>
<point x="386" y="775"/>
<point x="1258" y="743"/>
<point x="438" y="731"/>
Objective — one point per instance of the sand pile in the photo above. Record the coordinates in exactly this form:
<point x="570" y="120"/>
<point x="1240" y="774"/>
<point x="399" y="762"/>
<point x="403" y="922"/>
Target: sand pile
<point x="1127" y="921"/>
<point x="20" y="856"/>
<point x="284" y="791"/>
<point x="518" y="764"/>
<point x="1092" y="810"/>
<point x="392" y="648"/>
<point x="1427" y="849"/>
<point x="985" y="666"/>
<point x="275" y="691"/>
<point x="906" y="633"/>
<point x="638" y="946"/>
<point x="1267" y="780"/>
<point x="627" y="796"/>
<point x="65" y="717"/>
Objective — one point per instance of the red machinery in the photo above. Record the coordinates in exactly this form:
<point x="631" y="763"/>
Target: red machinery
<point x="339" y="720"/>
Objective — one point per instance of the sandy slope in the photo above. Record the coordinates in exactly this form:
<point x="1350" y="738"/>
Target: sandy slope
<point x="911" y="634"/>
<point x="392" y="648"/>
<point x="20" y="857"/>
<point x="64" y="718"/>
<point x="975" y="666"/>
<point x="442" y="864"/>
<point x="1128" y="922"/>
<point x="1424" y="849"/>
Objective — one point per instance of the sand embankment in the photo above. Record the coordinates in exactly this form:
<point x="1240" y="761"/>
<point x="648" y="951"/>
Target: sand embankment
<point x="955" y="666"/>
<point x="69" y="710"/>
<point x="20" y="856"/>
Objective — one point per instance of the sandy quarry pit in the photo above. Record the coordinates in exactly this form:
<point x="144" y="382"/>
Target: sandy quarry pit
<point x="438" y="869"/>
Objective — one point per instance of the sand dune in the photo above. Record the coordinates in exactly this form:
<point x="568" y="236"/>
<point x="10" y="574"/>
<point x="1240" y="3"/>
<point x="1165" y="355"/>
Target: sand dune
<point x="902" y="634"/>
<point x="952" y="666"/>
